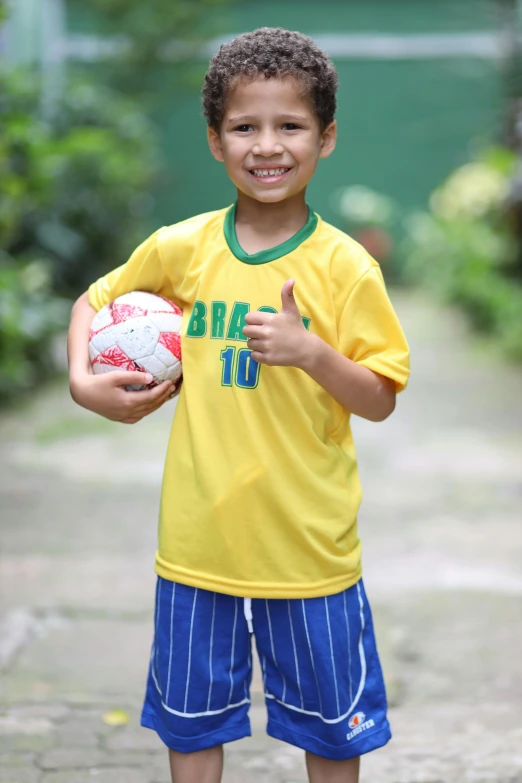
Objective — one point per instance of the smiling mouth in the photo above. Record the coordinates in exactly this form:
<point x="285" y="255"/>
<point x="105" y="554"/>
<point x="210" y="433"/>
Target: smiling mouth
<point x="269" y="172"/>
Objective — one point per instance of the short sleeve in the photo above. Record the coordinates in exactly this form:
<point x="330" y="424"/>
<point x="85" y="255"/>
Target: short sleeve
<point x="142" y="272"/>
<point x="370" y="333"/>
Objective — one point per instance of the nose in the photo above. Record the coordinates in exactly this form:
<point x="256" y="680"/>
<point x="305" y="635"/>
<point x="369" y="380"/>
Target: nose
<point x="267" y="145"/>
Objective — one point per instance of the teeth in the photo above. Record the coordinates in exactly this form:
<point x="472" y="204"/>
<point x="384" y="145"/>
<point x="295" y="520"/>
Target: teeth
<point x="268" y="172"/>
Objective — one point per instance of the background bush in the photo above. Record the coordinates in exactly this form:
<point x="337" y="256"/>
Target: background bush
<point x="29" y="318"/>
<point x="466" y="249"/>
<point x="74" y="194"/>
<point x="75" y="190"/>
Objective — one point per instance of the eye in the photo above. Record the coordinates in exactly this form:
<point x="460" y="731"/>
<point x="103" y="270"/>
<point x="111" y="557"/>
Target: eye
<point x="291" y="126"/>
<point x="243" y="128"/>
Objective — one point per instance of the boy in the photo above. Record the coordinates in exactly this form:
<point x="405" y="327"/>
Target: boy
<point x="260" y="490"/>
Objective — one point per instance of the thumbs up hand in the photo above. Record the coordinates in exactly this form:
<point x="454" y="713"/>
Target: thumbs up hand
<point x="278" y="339"/>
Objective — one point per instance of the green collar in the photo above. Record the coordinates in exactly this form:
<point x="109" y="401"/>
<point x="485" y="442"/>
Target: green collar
<point x="264" y="256"/>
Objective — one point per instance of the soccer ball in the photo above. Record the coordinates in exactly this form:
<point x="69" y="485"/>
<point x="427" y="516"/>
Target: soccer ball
<point x="138" y="331"/>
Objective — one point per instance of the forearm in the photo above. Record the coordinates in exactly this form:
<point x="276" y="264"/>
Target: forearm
<point x="358" y="389"/>
<point x="78" y="340"/>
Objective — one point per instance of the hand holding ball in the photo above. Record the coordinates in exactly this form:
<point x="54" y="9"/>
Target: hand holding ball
<point x="138" y="332"/>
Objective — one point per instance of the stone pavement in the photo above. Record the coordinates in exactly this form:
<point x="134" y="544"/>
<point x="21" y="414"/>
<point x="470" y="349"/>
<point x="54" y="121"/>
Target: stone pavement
<point x="442" y="536"/>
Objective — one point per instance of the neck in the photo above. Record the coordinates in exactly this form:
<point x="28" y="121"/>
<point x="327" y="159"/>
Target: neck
<point x="289" y="215"/>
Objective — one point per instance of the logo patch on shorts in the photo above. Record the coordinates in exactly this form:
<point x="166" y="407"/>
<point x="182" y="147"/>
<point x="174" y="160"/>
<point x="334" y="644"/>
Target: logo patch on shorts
<point x="358" y="724"/>
<point x="356" y="719"/>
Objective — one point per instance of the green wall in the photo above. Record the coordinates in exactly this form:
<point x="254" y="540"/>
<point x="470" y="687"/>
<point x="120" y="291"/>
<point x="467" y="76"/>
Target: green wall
<point x="403" y="124"/>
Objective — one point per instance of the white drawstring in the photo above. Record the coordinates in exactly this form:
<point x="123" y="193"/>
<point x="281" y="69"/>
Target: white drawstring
<point x="247" y="607"/>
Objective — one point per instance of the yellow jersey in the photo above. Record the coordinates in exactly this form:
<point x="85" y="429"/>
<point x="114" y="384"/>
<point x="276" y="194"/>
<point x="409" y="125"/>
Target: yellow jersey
<point x="261" y="490"/>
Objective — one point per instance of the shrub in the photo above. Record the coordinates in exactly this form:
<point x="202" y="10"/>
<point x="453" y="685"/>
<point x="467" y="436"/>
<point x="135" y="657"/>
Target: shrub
<point x="29" y="317"/>
<point x="465" y="249"/>
<point x="74" y="192"/>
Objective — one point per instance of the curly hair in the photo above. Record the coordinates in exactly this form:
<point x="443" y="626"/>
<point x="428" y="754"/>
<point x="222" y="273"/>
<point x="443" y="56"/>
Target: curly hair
<point x="271" y="52"/>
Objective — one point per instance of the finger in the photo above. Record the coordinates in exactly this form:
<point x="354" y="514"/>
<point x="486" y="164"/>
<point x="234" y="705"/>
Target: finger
<point x="124" y="378"/>
<point x="254" y="345"/>
<point x="166" y="390"/>
<point x="162" y="402"/>
<point x="162" y="389"/>
<point x="253" y="331"/>
<point x="147" y="410"/>
<point x="289" y="305"/>
<point x="177" y="388"/>
<point x="169" y="391"/>
<point x="141" y="411"/>
<point x="147" y="401"/>
<point x="146" y="396"/>
<point x="141" y="405"/>
<point x="258" y="357"/>
<point x="258" y="318"/>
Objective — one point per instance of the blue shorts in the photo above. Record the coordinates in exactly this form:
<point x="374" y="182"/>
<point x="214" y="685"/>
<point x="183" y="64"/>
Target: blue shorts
<point x="322" y="678"/>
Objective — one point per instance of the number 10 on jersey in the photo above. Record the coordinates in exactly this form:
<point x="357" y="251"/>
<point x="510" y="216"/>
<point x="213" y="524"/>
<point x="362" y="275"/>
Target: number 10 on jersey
<point x="239" y="368"/>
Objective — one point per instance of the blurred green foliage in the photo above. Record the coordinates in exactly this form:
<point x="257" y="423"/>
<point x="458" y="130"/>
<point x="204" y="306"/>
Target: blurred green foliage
<point x="30" y="315"/>
<point x="465" y="247"/>
<point x="74" y="189"/>
<point x="73" y="194"/>
<point x="160" y="40"/>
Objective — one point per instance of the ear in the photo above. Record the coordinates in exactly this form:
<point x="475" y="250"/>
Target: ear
<point x="214" y="142"/>
<point x="328" y="140"/>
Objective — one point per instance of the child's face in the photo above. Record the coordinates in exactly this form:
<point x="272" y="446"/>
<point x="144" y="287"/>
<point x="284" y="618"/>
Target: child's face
<point x="270" y="139"/>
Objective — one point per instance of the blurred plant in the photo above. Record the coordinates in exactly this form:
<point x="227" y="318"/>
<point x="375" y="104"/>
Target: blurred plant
<point x="72" y="196"/>
<point x="473" y="191"/>
<point x="74" y="192"/>
<point x="147" y="35"/>
<point x="465" y="249"/>
<point x="30" y="315"/>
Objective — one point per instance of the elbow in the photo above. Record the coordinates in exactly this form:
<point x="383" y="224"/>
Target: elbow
<point x="385" y="408"/>
<point x="386" y="414"/>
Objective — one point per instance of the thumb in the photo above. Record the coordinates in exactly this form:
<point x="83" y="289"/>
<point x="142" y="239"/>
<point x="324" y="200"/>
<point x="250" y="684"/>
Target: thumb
<point x="124" y="378"/>
<point x="289" y="305"/>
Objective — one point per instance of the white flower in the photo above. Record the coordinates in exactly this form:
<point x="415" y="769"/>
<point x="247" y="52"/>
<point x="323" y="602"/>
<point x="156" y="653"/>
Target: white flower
<point x="470" y="192"/>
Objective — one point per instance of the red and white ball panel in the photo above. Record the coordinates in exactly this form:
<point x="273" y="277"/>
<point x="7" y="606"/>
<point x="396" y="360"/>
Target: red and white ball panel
<point x="138" y="331"/>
